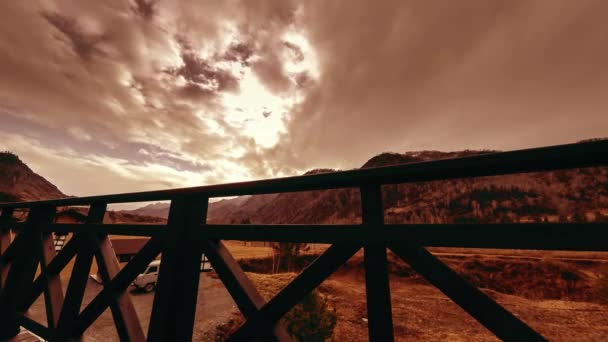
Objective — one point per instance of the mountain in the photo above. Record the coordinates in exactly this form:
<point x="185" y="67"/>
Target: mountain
<point x="154" y="209"/>
<point x="564" y="195"/>
<point x="390" y="158"/>
<point x="19" y="183"/>
<point x="243" y="207"/>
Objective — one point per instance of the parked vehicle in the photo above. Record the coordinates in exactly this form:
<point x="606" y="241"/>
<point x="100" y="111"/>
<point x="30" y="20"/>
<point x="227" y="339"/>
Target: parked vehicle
<point x="147" y="280"/>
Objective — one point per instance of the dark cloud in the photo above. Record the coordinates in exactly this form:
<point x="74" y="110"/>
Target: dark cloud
<point x="407" y="75"/>
<point x="201" y="72"/>
<point x="85" y="45"/>
<point x="145" y="8"/>
<point x="238" y="52"/>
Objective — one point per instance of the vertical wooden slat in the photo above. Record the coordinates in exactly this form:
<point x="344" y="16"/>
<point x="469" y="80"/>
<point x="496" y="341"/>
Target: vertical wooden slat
<point x="53" y="292"/>
<point x="53" y="268"/>
<point x="79" y="278"/>
<point x="21" y="275"/>
<point x="377" y="287"/>
<point x="119" y="283"/>
<point x="5" y="241"/>
<point x="106" y="279"/>
<point x="177" y="287"/>
<point x="123" y="311"/>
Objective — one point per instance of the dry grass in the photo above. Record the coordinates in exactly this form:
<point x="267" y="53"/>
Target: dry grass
<point x="240" y="251"/>
<point x="422" y="313"/>
<point x="519" y="253"/>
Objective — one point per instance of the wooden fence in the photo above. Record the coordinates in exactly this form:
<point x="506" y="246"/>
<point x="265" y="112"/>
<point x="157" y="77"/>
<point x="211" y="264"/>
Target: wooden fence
<point x="186" y="235"/>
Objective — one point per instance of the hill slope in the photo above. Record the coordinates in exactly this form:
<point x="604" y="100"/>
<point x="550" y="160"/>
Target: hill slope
<point x="565" y="195"/>
<point x="19" y="183"/>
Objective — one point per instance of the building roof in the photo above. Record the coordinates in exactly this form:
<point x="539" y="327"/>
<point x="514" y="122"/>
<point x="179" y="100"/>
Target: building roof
<point x="128" y="246"/>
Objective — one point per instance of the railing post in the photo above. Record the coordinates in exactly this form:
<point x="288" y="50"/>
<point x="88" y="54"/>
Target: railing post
<point x="174" y="306"/>
<point x="53" y="293"/>
<point x="79" y="278"/>
<point x="380" y="317"/>
<point x="21" y="274"/>
<point x="5" y="241"/>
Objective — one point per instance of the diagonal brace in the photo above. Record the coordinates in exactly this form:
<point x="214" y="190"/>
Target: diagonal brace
<point x="324" y="266"/>
<point x="485" y="310"/>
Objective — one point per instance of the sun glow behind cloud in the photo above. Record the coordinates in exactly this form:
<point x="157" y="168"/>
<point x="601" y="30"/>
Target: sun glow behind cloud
<point x="179" y="93"/>
<point x="260" y="113"/>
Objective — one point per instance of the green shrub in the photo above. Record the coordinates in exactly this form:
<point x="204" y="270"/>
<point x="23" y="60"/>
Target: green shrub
<point x="311" y="320"/>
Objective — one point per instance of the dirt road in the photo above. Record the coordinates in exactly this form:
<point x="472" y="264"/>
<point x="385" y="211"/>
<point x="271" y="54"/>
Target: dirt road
<point x="213" y="306"/>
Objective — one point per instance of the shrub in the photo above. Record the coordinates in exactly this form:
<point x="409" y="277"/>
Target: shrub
<point x="602" y="288"/>
<point x="313" y="319"/>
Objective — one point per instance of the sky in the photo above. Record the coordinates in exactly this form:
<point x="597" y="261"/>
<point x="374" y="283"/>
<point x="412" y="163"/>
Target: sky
<point x="119" y="96"/>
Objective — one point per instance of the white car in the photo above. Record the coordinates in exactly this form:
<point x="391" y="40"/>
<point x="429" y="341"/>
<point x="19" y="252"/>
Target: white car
<point x="147" y="280"/>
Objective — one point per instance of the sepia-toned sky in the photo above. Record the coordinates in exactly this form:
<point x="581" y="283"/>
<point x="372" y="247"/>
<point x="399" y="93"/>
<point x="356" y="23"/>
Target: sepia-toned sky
<point x="114" y="96"/>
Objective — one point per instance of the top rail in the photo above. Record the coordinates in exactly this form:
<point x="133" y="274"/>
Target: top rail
<point x="578" y="155"/>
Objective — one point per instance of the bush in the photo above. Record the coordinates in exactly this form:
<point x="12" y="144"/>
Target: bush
<point x="313" y="319"/>
<point x="602" y="288"/>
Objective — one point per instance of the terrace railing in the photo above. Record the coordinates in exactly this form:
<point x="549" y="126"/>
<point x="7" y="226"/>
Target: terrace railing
<point x="186" y="235"/>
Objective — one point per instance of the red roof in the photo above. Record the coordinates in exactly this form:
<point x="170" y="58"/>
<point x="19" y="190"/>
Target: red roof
<point x="128" y="246"/>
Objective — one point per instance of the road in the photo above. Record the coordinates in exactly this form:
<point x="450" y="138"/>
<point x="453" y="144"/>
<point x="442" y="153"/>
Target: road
<point x="214" y="305"/>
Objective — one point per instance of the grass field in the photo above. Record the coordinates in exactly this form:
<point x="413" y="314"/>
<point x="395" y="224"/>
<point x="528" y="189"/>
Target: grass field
<point x="421" y="312"/>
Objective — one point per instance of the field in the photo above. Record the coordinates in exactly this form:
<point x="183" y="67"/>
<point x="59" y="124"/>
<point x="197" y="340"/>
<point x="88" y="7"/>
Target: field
<point x="526" y="282"/>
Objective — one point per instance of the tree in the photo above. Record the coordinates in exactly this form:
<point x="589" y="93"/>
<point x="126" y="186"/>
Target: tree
<point x="285" y="255"/>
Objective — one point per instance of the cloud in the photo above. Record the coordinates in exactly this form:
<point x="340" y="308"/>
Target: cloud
<point x="186" y="82"/>
<point x="85" y="45"/>
<point x="406" y="75"/>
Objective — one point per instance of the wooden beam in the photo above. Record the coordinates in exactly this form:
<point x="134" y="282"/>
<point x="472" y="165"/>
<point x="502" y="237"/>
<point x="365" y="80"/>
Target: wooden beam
<point x="35" y="327"/>
<point x="377" y="287"/>
<point x="56" y="265"/>
<point x="119" y="283"/>
<point x="486" y="311"/>
<point x="543" y="236"/>
<point x="177" y="287"/>
<point x="311" y="277"/>
<point x="78" y="279"/>
<point x="53" y="291"/>
<point x="124" y="314"/>
<point x="577" y="155"/>
<point x="240" y="287"/>
<point x="5" y="242"/>
<point x="111" y="229"/>
<point x="21" y="275"/>
<point x="117" y="316"/>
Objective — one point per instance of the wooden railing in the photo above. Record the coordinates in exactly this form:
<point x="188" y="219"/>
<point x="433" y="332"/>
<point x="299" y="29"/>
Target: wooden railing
<point x="187" y="235"/>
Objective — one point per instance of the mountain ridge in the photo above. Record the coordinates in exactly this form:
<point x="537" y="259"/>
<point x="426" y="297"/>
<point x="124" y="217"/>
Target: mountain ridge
<point x="563" y="195"/>
<point x="18" y="182"/>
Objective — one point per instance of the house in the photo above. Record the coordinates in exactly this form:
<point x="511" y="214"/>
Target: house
<point x="126" y="248"/>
